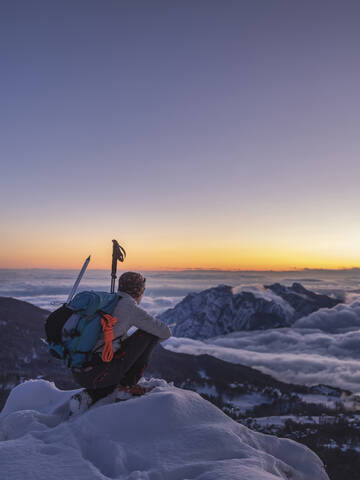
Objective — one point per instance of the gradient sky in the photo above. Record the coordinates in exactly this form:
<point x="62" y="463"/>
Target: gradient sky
<point x="213" y="134"/>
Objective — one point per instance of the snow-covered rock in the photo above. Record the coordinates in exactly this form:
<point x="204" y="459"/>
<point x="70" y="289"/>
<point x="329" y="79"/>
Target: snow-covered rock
<point x="221" y="310"/>
<point x="169" y="434"/>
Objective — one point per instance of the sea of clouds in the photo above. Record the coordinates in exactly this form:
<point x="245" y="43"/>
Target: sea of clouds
<point x="323" y="347"/>
<point x="49" y="288"/>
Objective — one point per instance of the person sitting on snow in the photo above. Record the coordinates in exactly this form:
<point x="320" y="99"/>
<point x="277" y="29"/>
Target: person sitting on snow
<point x="131" y="353"/>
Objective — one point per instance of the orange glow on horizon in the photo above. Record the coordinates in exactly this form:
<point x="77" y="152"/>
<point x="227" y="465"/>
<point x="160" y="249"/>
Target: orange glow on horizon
<point x="255" y="259"/>
<point x="182" y="250"/>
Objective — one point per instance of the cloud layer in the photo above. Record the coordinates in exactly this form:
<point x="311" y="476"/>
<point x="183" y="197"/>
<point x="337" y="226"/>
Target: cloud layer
<point x="339" y="319"/>
<point x="304" y="356"/>
<point x="43" y="287"/>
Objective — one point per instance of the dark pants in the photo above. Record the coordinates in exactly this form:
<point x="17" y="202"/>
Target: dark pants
<point x="126" y="368"/>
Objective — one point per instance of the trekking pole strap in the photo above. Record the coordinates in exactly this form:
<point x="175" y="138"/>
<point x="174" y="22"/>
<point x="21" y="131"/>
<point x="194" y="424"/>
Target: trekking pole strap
<point x="118" y="254"/>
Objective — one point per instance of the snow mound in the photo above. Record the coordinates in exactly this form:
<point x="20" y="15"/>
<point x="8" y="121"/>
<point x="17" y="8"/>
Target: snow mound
<point x="168" y="434"/>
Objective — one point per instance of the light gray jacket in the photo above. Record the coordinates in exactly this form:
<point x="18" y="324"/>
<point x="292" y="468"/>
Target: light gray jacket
<point x="129" y="314"/>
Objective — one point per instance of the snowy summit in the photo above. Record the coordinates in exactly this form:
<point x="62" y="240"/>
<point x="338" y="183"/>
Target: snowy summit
<point x="168" y="434"/>
<point x="221" y="310"/>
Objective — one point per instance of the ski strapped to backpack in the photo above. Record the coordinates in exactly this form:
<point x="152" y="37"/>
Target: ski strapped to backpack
<point x="73" y="330"/>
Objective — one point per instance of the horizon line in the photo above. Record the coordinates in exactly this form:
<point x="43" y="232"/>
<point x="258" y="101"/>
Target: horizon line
<point x="197" y="269"/>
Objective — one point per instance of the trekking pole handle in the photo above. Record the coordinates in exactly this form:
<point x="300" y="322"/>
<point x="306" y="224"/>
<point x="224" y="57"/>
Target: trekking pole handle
<point x="118" y="254"/>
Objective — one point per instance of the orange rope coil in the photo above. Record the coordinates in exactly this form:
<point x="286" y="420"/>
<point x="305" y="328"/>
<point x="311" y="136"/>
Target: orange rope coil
<point x="108" y="322"/>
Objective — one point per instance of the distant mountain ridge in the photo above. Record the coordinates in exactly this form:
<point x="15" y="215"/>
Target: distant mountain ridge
<point x="218" y="310"/>
<point x="302" y="300"/>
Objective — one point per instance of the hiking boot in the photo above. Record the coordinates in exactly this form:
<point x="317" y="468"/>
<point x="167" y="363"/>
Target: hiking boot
<point x="137" y="390"/>
<point x="122" y="393"/>
<point x="80" y="402"/>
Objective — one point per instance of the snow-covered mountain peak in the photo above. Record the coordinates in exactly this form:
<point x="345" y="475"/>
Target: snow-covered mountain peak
<point x="223" y="309"/>
<point x="170" y="434"/>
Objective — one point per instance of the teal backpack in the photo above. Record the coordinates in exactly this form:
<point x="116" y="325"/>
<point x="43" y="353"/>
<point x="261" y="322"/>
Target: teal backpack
<point x="73" y="329"/>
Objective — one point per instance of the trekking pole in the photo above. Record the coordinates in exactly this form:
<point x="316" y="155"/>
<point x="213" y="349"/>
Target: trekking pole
<point x="78" y="280"/>
<point x="118" y="254"/>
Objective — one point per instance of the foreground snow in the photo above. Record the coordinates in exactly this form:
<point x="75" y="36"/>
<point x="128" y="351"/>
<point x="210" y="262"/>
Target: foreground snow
<point x="169" y="434"/>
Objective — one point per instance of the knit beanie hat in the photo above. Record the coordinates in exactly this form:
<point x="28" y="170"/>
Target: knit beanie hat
<point x="132" y="283"/>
